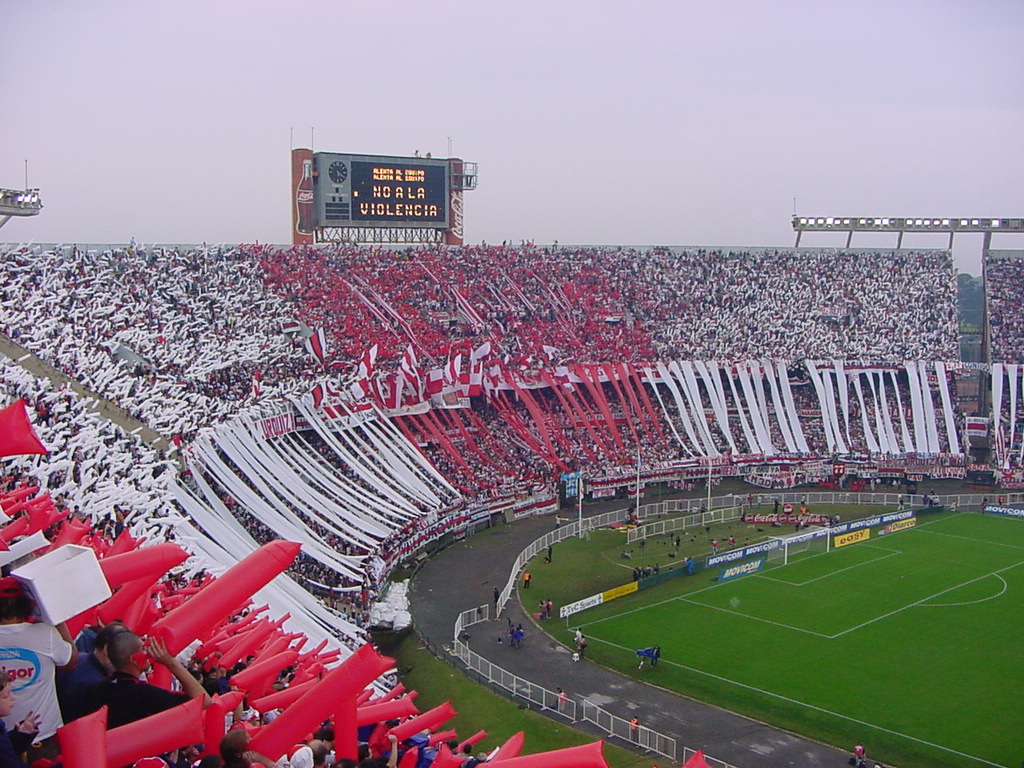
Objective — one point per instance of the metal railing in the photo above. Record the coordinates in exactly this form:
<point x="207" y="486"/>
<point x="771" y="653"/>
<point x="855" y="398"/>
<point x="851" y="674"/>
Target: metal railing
<point x="629" y="731"/>
<point x="564" y="705"/>
<point x="519" y="688"/>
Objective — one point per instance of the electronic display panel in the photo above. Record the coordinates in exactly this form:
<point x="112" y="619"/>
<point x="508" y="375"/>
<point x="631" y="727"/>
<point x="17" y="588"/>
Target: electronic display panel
<point x="364" y="190"/>
<point x="398" y="192"/>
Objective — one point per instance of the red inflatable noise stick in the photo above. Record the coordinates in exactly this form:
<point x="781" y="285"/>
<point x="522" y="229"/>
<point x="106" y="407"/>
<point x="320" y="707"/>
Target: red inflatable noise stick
<point x="155" y="734"/>
<point x="584" y="756"/>
<point x="222" y="597"/>
<point x="83" y="742"/>
<point x="445" y="758"/>
<point x="145" y="563"/>
<point x="510" y="748"/>
<point x="428" y="721"/>
<point x="343" y="682"/>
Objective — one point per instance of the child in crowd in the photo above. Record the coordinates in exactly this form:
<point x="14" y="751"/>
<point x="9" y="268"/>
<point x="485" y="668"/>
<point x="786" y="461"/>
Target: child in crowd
<point x="15" y="742"/>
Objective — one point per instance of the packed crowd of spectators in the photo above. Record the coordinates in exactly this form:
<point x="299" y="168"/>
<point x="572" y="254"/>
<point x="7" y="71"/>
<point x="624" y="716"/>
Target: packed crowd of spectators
<point x="173" y="337"/>
<point x="111" y="484"/>
<point x="598" y="304"/>
<point x="1004" y="286"/>
<point x="94" y="470"/>
<point x="578" y="448"/>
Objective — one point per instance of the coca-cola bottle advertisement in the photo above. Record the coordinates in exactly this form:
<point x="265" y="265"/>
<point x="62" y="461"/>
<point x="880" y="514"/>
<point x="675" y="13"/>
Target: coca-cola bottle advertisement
<point x="305" y="219"/>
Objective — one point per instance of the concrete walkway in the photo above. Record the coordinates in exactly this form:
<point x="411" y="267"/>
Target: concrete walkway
<point x="105" y="408"/>
<point x="463" y="577"/>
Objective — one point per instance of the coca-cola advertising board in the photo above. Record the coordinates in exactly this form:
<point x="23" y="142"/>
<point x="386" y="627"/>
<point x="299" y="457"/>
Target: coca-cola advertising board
<point x="303" y="197"/>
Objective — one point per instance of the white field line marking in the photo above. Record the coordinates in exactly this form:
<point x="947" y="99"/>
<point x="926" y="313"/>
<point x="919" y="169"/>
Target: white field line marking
<point x="975" y="541"/>
<point x="770" y="694"/>
<point x="892" y="553"/>
<point x="757" y="618"/>
<point x="924" y="600"/>
<point x="973" y="602"/>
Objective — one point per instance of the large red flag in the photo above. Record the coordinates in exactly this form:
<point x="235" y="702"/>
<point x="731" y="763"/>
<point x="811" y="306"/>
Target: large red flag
<point x="16" y="434"/>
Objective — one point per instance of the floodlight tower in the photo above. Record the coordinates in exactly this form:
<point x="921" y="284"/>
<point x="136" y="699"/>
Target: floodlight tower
<point x="19" y="202"/>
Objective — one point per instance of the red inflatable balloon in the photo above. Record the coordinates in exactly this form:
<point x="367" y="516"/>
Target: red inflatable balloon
<point x="158" y="733"/>
<point x="14" y="529"/>
<point x="146" y="563"/>
<point x="247" y="644"/>
<point x="221" y="598"/>
<point x="478" y="736"/>
<point x="332" y="655"/>
<point x="221" y="644"/>
<point x="71" y="531"/>
<point x="409" y="758"/>
<point x="284" y="698"/>
<point x="83" y="742"/>
<point x="437" y="738"/>
<point x="42" y="514"/>
<point x="428" y="721"/>
<point x="386" y="710"/>
<point x="445" y="759"/>
<point x="9" y="499"/>
<point x="214" y="719"/>
<point x="259" y="672"/>
<point x="116" y="606"/>
<point x="312" y="672"/>
<point x="77" y="623"/>
<point x="510" y="748"/>
<point x="160" y="676"/>
<point x="345" y="681"/>
<point x="346" y="732"/>
<point x="220" y="639"/>
<point x="584" y="756"/>
<point x="273" y="645"/>
<point x="17" y="437"/>
<point x="123" y="543"/>
<point x="311" y="654"/>
<point x="394" y="693"/>
<point x="141" y="615"/>
<point x="280" y="622"/>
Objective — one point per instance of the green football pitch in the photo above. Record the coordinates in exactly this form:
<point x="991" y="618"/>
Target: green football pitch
<point x="911" y="642"/>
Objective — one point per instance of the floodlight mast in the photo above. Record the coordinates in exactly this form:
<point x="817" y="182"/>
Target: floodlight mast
<point x="19" y="202"/>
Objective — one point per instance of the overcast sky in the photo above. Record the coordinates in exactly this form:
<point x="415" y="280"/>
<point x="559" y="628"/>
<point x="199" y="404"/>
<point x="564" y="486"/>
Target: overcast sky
<point x="670" y="122"/>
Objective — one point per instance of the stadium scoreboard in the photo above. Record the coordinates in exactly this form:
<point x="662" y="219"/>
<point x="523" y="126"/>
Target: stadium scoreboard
<point x="375" y="190"/>
<point x="345" y="197"/>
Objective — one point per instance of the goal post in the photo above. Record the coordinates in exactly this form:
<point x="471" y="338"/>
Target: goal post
<point x="814" y="540"/>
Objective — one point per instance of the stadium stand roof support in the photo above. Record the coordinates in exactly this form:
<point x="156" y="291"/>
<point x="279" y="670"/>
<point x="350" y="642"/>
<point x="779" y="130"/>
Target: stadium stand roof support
<point x="952" y="226"/>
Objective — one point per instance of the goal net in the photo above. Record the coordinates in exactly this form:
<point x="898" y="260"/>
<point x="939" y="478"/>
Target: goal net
<point x="804" y="543"/>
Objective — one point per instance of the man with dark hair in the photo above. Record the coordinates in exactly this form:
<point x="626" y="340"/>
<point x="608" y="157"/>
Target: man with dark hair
<point x="127" y="697"/>
<point x="73" y="685"/>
